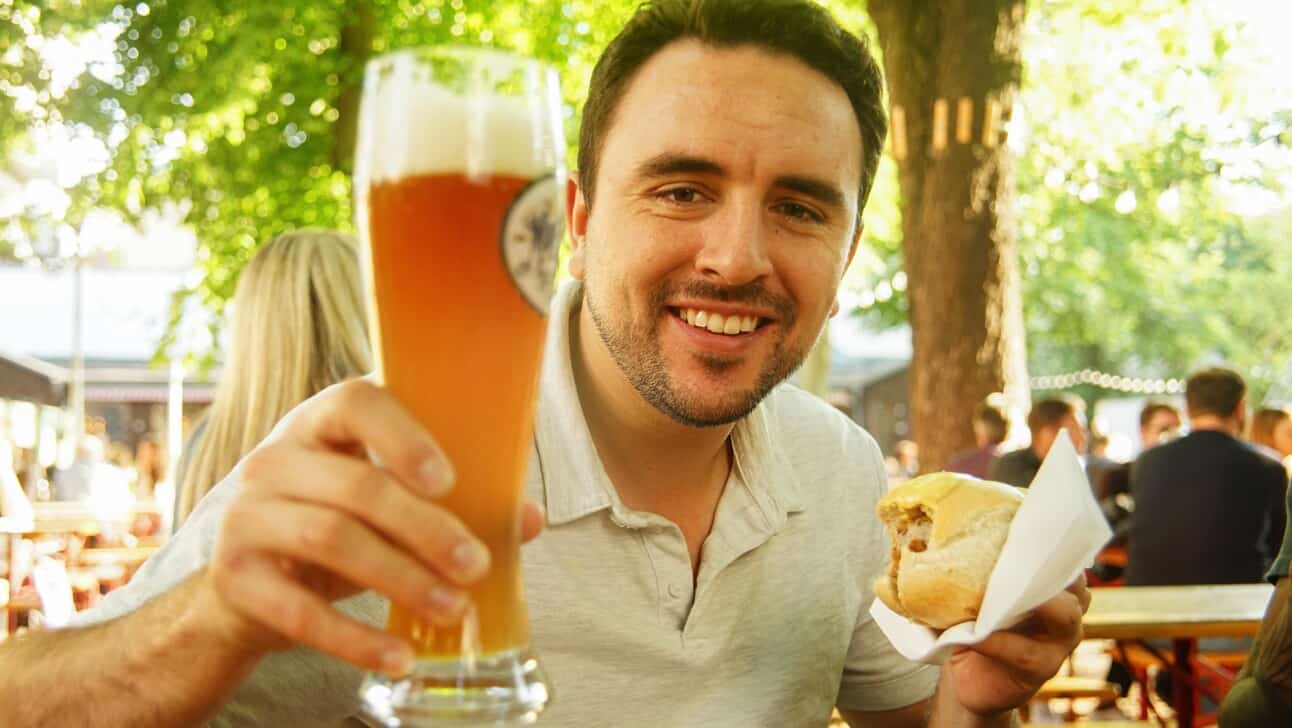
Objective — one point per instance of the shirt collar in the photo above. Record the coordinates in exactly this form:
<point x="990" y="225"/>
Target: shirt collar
<point x="575" y="483"/>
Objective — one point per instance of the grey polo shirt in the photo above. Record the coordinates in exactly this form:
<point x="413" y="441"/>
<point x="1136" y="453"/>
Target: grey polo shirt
<point x="773" y="632"/>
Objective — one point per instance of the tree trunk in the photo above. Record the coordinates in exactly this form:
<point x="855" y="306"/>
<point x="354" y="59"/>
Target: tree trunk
<point x="356" y="47"/>
<point x="953" y="69"/>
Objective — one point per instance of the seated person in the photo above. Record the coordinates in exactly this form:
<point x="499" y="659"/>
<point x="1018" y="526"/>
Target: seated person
<point x="990" y="428"/>
<point x="1047" y="418"/>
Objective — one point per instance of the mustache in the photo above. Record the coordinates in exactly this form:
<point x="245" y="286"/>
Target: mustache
<point x="754" y="294"/>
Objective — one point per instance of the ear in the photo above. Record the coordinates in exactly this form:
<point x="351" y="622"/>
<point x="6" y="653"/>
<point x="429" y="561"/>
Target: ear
<point x="852" y="251"/>
<point x="576" y="221"/>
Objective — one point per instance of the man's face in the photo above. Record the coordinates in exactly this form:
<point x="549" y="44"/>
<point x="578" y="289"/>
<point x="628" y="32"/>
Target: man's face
<point x="725" y="209"/>
<point x="1159" y="428"/>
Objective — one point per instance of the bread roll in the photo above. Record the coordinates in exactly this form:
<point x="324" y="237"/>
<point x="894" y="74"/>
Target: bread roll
<point x="947" y="531"/>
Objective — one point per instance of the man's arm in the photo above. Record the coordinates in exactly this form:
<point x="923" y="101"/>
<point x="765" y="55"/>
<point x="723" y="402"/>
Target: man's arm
<point x="983" y="685"/>
<point x="1263" y="694"/>
<point x="92" y="676"/>
<point x="943" y="711"/>
<point x="313" y="520"/>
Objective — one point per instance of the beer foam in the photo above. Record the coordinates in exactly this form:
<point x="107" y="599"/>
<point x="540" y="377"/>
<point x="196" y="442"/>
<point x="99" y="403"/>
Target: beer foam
<point x="410" y="125"/>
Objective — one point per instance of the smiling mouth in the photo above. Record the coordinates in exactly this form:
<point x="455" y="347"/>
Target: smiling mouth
<point x="717" y="323"/>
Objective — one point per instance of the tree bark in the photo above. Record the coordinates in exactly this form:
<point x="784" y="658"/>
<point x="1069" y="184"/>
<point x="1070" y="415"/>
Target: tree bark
<point x="958" y="227"/>
<point x="356" y="47"/>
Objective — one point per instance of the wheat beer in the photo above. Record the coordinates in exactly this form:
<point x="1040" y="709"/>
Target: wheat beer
<point x="458" y="205"/>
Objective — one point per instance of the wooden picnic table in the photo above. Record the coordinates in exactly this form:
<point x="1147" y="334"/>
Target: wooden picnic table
<point x="55" y="518"/>
<point x="1182" y="614"/>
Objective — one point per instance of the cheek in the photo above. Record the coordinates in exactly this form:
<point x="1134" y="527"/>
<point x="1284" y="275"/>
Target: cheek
<point x="812" y="280"/>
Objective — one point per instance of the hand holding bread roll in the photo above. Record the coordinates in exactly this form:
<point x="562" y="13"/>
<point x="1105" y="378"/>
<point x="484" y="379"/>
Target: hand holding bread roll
<point x="947" y="532"/>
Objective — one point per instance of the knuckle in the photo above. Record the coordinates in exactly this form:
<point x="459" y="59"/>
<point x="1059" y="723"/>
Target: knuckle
<point x="259" y="467"/>
<point x="324" y="535"/>
<point x="297" y="620"/>
<point x="355" y="393"/>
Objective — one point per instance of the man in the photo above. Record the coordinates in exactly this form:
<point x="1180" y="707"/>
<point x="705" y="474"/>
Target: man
<point x="990" y="428"/>
<point x="711" y="536"/>
<point x="1208" y="508"/>
<point x="1046" y="420"/>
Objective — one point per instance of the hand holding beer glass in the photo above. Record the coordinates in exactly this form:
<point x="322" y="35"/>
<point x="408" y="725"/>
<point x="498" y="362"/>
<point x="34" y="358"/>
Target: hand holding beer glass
<point x="458" y="182"/>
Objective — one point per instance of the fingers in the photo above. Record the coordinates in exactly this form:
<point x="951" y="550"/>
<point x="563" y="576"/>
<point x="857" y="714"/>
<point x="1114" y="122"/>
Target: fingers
<point x="1035" y="649"/>
<point x="1029" y="661"/>
<point x="345" y="547"/>
<point x="264" y="595"/>
<point x="532" y="519"/>
<point x="359" y="414"/>
<point x="1081" y="591"/>
<point x="370" y="494"/>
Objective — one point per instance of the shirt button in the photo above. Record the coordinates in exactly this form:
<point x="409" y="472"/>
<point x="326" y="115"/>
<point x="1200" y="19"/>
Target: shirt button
<point x="674" y="591"/>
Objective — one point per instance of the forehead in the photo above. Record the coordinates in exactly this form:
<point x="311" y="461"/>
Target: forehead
<point x="1162" y="418"/>
<point x="744" y="107"/>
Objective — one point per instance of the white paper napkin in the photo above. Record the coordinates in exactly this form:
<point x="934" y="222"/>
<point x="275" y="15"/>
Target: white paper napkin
<point x="1055" y="535"/>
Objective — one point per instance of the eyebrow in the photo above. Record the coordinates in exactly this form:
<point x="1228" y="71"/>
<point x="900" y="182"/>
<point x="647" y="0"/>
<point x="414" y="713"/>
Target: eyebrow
<point x="666" y="164"/>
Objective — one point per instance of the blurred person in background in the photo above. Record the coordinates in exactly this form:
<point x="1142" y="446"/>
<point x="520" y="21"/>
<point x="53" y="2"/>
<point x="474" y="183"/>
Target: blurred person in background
<point x="1159" y="422"/>
<point x="1271" y="432"/>
<point x="150" y="466"/>
<point x="1209" y="509"/>
<point x="298" y="326"/>
<point x="1048" y="417"/>
<point x="990" y="429"/>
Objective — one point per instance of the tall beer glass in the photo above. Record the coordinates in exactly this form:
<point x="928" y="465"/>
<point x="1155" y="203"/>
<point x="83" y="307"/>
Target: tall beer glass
<point x="458" y="184"/>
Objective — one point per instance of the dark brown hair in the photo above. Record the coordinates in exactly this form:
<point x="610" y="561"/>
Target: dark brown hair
<point x="1152" y="408"/>
<point x="798" y="28"/>
<point x="1051" y="411"/>
<point x="992" y="417"/>
<point x="1215" y="391"/>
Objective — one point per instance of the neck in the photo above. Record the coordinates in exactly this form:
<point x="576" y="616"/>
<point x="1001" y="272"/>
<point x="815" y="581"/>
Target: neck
<point x="655" y="463"/>
<point x="1215" y="423"/>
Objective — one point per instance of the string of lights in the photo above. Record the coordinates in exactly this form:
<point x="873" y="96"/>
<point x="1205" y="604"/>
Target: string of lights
<point x="1104" y="380"/>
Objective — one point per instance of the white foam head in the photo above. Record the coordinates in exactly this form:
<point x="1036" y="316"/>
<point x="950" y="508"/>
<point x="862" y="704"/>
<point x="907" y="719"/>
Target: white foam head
<point x="413" y="124"/>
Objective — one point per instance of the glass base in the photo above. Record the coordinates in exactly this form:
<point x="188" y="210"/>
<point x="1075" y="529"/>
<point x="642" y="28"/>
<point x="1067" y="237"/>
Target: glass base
<point x="505" y="689"/>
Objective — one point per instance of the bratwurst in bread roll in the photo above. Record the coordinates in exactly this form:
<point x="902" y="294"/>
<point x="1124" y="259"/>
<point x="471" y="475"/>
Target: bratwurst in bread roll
<point x="947" y="531"/>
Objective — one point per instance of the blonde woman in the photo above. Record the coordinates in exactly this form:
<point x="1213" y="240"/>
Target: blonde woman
<point x="298" y="326"/>
<point x="1272" y="429"/>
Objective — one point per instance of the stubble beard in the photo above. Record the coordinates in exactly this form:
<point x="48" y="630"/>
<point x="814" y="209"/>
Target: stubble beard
<point x="637" y="352"/>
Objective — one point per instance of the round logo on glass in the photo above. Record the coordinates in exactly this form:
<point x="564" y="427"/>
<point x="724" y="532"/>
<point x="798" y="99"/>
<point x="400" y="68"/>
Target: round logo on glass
<point x="531" y="235"/>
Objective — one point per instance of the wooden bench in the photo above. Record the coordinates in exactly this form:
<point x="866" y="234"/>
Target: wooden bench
<point x="1071" y="688"/>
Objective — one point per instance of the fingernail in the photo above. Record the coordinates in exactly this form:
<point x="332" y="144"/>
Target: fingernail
<point x="397" y="661"/>
<point x="447" y="600"/>
<point x="437" y="476"/>
<point x="471" y="556"/>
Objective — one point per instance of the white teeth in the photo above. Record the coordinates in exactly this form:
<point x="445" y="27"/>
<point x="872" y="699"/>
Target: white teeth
<point x="717" y="323"/>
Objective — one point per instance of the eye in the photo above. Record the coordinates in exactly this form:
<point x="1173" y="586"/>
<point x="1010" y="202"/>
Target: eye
<point x="680" y="195"/>
<point x="800" y="213"/>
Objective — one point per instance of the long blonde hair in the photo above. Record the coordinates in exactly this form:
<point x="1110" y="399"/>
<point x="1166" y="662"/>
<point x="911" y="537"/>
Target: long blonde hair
<point x="298" y="326"/>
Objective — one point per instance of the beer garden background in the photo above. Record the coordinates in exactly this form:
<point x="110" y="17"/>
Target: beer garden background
<point x="1135" y="157"/>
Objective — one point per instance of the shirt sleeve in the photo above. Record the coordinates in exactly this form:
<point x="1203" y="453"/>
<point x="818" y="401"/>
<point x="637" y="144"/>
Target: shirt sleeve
<point x="875" y="676"/>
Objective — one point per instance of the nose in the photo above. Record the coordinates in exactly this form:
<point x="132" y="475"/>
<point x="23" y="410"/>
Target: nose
<point x="735" y="246"/>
